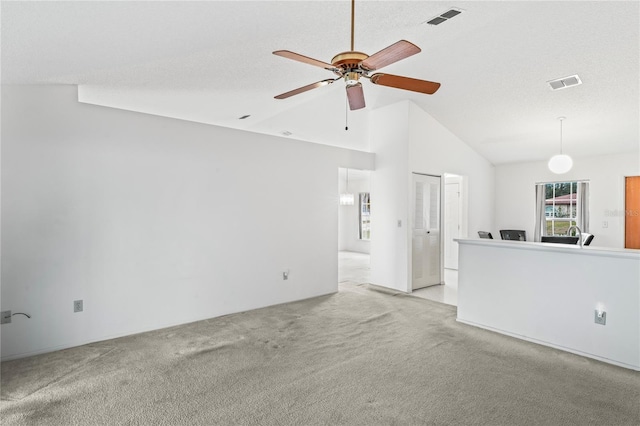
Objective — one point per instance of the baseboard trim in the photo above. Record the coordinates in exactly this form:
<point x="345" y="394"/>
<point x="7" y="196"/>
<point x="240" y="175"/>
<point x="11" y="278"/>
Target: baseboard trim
<point x="552" y="345"/>
<point x="132" y="332"/>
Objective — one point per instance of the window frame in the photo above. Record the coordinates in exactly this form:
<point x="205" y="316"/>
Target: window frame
<point x="364" y="216"/>
<point x="569" y="217"/>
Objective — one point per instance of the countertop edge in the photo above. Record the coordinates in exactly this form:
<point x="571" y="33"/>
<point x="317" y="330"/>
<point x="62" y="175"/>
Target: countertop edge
<point x="551" y="247"/>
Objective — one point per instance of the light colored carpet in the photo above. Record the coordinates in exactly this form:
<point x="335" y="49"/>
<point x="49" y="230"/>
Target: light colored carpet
<point x="359" y="357"/>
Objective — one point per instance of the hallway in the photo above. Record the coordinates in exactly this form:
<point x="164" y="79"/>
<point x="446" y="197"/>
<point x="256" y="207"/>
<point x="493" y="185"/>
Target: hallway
<point x="354" y="267"/>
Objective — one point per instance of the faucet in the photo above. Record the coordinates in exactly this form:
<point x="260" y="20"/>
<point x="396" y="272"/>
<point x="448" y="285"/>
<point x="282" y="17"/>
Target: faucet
<point x="578" y="231"/>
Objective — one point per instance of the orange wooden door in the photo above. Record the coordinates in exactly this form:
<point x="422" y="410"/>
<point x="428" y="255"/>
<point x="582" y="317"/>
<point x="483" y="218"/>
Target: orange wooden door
<point x="632" y="212"/>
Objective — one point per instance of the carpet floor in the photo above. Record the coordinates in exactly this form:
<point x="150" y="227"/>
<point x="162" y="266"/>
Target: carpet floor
<point x="363" y="356"/>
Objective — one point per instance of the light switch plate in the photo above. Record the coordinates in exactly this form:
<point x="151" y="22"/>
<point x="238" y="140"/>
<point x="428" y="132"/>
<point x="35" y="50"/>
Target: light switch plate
<point x="5" y="317"/>
<point x="77" y="306"/>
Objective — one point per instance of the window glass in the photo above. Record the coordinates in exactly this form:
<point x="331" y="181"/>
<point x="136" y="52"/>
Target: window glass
<point x="561" y="207"/>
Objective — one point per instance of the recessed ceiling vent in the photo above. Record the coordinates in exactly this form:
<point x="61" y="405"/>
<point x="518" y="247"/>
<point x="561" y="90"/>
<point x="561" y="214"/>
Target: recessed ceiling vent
<point x="564" y="82"/>
<point x="444" y="16"/>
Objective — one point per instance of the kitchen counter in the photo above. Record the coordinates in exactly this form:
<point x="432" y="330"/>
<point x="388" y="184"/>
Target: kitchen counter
<point x="548" y="294"/>
<point x="551" y="247"/>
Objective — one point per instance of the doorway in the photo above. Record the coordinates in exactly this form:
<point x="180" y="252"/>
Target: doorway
<point x="426" y="266"/>
<point x="354" y="231"/>
<point x="452" y="219"/>
<point x="454" y="225"/>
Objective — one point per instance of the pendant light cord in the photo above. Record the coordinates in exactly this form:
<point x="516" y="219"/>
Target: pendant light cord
<point x="561" y="119"/>
<point x="347" y="181"/>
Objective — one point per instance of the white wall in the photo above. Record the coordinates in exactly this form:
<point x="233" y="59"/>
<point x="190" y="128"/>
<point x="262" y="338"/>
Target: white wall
<point x="548" y="293"/>
<point x="390" y="192"/>
<point x="349" y="216"/>
<point x="406" y="139"/>
<point x="306" y="120"/>
<point x="515" y="194"/>
<point x="433" y="149"/>
<point x="153" y="221"/>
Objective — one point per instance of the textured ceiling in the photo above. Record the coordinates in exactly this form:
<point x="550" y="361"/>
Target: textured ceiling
<point x="211" y="61"/>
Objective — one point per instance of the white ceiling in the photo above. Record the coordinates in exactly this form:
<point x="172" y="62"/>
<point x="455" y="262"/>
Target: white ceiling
<point x="211" y="61"/>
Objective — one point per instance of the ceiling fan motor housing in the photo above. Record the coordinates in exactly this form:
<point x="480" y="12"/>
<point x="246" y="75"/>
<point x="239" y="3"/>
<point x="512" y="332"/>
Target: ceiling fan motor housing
<point x="348" y="60"/>
<point x="349" y="64"/>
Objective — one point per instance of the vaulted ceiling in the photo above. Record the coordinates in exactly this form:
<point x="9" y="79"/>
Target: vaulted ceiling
<point x="211" y="62"/>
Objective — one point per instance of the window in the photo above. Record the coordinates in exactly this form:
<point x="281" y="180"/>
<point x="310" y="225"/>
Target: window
<point x="365" y="219"/>
<point x="561" y="205"/>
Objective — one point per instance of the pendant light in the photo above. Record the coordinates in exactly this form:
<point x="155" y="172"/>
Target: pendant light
<point x="346" y="198"/>
<point x="560" y="163"/>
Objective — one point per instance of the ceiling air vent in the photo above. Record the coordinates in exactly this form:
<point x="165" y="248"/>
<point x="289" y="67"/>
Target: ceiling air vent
<point x="564" y="82"/>
<point x="436" y="21"/>
<point x="444" y="16"/>
<point x="451" y="13"/>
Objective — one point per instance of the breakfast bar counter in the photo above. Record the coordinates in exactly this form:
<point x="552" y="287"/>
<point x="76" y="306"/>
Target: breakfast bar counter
<point x="551" y="294"/>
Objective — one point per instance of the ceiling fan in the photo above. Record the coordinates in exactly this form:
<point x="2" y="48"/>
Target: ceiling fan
<point x="352" y="66"/>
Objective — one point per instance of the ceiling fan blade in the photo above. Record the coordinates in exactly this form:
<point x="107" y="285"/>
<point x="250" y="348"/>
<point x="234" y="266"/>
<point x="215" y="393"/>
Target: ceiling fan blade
<point x="305" y="88"/>
<point x="394" y="53"/>
<point x="304" y="59"/>
<point x="406" y="83"/>
<point x="355" y="96"/>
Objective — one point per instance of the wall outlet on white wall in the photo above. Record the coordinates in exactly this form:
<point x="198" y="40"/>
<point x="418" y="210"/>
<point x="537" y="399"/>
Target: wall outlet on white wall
<point x="285" y="274"/>
<point x="77" y="306"/>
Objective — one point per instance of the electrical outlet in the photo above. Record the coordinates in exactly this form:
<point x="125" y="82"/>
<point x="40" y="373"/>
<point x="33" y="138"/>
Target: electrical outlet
<point x="600" y="317"/>
<point x="285" y="275"/>
<point x="5" y="317"/>
<point x="77" y="306"/>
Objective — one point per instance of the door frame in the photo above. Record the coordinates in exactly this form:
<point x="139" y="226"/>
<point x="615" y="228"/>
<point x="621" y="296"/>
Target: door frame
<point x="410" y="230"/>
<point x="451" y="179"/>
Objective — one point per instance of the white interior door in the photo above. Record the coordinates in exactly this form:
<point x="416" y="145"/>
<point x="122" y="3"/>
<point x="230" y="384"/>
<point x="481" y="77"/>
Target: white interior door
<point x="451" y="224"/>
<point x="426" y="234"/>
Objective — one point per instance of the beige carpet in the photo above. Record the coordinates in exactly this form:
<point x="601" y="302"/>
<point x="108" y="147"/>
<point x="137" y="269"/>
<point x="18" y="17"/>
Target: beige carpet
<point x="359" y="357"/>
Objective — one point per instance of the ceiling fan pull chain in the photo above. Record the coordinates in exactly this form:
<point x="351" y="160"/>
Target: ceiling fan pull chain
<point x="346" y="114"/>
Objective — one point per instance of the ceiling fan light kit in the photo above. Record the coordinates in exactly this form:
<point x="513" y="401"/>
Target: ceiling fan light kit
<point x="352" y="66"/>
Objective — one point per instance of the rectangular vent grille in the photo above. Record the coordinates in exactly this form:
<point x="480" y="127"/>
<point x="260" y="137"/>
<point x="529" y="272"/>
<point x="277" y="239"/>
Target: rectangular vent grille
<point x="436" y="21"/>
<point x="564" y="82"/>
<point x="451" y="13"/>
<point x="444" y="16"/>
